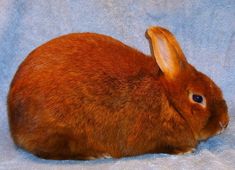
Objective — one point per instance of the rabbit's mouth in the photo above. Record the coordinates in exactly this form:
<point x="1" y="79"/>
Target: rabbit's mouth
<point x="206" y="133"/>
<point x="222" y="128"/>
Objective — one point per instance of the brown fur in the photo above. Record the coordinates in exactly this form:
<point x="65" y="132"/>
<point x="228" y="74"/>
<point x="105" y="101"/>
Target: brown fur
<point x="85" y="95"/>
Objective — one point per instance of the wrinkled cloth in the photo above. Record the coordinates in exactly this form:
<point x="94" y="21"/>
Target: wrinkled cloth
<point x="204" y="28"/>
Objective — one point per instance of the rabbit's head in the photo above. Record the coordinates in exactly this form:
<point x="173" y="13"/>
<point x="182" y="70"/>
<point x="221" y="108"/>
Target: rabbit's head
<point x="195" y="97"/>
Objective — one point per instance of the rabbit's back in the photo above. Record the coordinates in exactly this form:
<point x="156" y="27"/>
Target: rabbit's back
<point x="76" y="91"/>
<point x="84" y="56"/>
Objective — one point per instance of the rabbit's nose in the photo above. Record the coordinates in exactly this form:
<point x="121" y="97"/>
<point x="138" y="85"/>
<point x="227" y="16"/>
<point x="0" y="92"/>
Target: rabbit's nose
<point x="224" y="120"/>
<point x="223" y="125"/>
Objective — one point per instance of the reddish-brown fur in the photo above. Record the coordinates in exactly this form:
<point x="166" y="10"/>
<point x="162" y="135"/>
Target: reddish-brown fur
<point x="86" y="95"/>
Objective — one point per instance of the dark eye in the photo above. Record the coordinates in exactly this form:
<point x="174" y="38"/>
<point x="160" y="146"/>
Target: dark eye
<point x="197" y="98"/>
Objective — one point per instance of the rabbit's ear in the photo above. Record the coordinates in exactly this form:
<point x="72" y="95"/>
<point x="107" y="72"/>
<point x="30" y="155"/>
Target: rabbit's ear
<point x="166" y="51"/>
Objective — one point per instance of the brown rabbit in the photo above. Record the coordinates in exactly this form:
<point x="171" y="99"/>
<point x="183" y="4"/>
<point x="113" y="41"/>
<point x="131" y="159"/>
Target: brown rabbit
<point x="87" y="96"/>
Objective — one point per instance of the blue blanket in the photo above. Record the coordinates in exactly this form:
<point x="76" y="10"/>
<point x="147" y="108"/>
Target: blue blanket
<point x="205" y="29"/>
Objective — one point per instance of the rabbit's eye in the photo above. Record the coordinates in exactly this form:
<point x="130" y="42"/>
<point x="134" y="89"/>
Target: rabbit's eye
<point x="197" y="98"/>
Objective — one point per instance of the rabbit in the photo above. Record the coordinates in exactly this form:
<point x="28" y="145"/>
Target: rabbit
<point x="89" y="96"/>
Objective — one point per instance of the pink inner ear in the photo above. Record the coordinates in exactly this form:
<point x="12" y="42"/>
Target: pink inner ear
<point x="166" y="57"/>
<point x="163" y="49"/>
